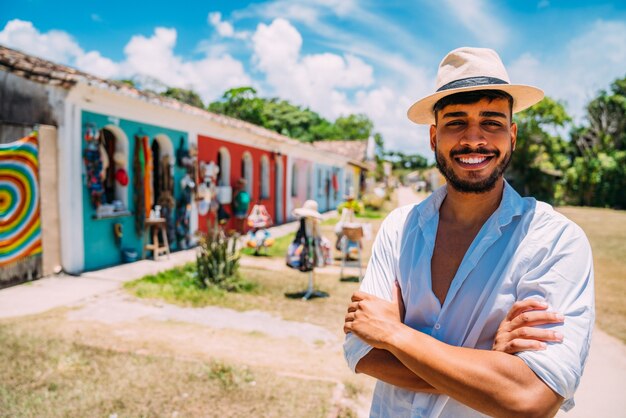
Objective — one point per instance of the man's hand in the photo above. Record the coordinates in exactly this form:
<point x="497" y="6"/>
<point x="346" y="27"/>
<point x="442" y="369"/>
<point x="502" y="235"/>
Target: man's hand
<point x="374" y="320"/>
<point x="517" y="331"/>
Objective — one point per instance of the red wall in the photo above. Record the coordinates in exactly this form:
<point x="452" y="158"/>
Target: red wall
<point x="207" y="151"/>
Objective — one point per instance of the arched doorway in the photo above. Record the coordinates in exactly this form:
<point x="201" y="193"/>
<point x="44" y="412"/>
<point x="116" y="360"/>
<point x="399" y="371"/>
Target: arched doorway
<point x="115" y="145"/>
<point x="278" y="178"/>
<point x="162" y="171"/>
<point x="247" y="171"/>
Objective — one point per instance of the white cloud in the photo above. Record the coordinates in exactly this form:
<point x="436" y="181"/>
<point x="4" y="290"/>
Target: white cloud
<point x="154" y="56"/>
<point x="94" y="63"/>
<point x="54" y="45"/>
<point x="320" y="81"/>
<point x="147" y="58"/>
<point x="480" y="20"/>
<point x="324" y="82"/>
<point x="223" y="28"/>
<point x="576" y="73"/>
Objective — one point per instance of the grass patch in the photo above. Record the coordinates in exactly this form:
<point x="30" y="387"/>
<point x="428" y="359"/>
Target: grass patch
<point x="606" y="230"/>
<point x="268" y="294"/>
<point x="369" y="213"/>
<point x="278" y="249"/>
<point x="45" y="376"/>
<point x="179" y="286"/>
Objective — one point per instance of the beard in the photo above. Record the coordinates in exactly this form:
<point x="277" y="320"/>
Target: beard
<point x="472" y="185"/>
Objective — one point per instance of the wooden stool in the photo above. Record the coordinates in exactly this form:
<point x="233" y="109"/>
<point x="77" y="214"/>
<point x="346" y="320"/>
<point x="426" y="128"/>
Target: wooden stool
<point x="156" y="225"/>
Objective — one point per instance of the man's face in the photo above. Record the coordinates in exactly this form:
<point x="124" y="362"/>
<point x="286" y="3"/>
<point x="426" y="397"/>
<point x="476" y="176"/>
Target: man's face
<point x="473" y="144"/>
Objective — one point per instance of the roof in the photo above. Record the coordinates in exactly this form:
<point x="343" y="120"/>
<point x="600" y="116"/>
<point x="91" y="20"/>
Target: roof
<point x="355" y="150"/>
<point x="352" y="149"/>
<point x="47" y="72"/>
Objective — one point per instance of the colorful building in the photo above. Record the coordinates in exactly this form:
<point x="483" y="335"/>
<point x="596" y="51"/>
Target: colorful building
<point x="114" y="153"/>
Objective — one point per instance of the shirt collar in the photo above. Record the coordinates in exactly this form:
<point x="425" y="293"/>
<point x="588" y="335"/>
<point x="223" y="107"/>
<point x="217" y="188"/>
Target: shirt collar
<point x="511" y="205"/>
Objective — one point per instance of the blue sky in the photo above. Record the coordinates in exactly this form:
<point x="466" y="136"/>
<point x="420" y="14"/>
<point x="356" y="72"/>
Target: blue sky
<point x="335" y="56"/>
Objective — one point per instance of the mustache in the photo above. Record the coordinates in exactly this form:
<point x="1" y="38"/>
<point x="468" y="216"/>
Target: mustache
<point x="467" y="150"/>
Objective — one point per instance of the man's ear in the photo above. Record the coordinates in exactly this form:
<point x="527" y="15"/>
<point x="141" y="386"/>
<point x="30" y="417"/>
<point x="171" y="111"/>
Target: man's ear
<point x="513" y="135"/>
<point x="433" y="137"/>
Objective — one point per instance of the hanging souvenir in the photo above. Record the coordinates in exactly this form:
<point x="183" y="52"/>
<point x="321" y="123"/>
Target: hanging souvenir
<point x="121" y="176"/>
<point x="92" y="158"/>
<point x="138" y="186"/>
<point x="203" y="207"/>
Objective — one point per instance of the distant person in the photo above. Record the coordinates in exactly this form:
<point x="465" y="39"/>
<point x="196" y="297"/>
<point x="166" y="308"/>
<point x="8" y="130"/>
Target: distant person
<point x="241" y="205"/>
<point x="430" y="321"/>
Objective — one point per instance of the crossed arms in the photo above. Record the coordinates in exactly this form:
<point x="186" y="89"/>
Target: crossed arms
<point x="493" y="382"/>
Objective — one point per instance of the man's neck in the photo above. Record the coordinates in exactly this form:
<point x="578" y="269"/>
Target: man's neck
<point x="470" y="209"/>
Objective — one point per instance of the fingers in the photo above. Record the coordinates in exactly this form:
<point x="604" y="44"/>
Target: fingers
<point x="357" y="296"/>
<point x="534" y="318"/>
<point x="347" y="323"/>
<point x="517" y="345"/>
<point x="353" y="307"/>
<point x="524" y="306"/>
<point x="538" y="334"/>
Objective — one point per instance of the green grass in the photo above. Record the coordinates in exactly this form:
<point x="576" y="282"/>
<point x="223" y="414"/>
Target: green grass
<point x="606" y="230"/>
<point x="45" y="376"/>
<point x="179" y="285"/>
<point x="369" y="213"/>
<point x="278" y="249"/>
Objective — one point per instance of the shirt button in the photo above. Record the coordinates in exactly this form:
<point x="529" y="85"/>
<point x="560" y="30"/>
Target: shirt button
<point x="437" y="326"/>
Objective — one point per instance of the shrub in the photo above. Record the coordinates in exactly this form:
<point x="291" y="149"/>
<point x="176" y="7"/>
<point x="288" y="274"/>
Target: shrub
<point x="372" y="201"/>
<point x="217" y="261"/>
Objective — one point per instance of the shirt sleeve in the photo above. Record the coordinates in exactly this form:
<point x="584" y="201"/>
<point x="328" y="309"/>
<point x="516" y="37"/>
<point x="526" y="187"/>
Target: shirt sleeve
<point x="561" y="273"/>
<point x="379" y="279"/>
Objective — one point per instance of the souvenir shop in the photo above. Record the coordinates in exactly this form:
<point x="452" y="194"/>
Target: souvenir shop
<point x="132" y="173"/>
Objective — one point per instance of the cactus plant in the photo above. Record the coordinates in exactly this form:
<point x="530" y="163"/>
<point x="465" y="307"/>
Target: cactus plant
<point x="217" y="261"/>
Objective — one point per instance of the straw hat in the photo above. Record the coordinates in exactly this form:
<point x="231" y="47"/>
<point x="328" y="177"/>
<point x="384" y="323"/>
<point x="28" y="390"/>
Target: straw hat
<point x="309" y="209"/>
<point x="469" y="69"/>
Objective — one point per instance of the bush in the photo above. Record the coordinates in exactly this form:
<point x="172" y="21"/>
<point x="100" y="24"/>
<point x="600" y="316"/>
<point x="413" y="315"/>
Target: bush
<point x="217" y="261"/>
<point x="372" y="201"/>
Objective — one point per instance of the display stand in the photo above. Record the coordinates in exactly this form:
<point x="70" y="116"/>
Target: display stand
<point x="351" y="235"/>
<point x="310" y="291"/>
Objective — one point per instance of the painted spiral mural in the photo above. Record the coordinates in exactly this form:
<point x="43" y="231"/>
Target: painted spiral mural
<point x="20" y="224"/>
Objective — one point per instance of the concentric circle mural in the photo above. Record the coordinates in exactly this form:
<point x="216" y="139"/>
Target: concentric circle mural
<point x="20" y="225"/>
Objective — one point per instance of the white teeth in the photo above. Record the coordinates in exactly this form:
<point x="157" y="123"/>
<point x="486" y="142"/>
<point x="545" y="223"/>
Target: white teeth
<point x="475" y="160"/>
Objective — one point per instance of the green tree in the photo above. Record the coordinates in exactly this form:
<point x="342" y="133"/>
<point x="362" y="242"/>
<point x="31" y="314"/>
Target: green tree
<point x="540" y="157"/>
<point x="288" y="119"/>
<point x="291" y="120"/>
<point x="241" y="103"/>
<point x="354" y="127"/>
<point x="598" y="173"/>
<point x="186" y="96"/>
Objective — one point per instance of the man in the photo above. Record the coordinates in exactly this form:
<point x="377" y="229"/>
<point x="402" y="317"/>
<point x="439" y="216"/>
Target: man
<point x="430" y="321"/>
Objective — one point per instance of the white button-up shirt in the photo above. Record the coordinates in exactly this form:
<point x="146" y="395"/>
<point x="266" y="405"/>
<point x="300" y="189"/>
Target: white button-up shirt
<point x="524" y="250"/>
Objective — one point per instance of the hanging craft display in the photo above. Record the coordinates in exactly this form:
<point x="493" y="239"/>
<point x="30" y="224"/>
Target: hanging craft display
<point x="138" y="186"/>
<point x="259" y="217"/>
<point x="20" y="224"/>
<point x="147" y="179"/>
<point x="92" y="158"/>
<point x="121" y="176"/>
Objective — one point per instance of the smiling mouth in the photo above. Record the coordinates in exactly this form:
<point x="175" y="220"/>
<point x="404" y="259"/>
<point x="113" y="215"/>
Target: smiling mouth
<point x="473" y="161"/>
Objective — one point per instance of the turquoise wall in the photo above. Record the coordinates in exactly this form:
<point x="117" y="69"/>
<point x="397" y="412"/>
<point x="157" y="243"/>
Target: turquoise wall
<point x="100" y="247"/>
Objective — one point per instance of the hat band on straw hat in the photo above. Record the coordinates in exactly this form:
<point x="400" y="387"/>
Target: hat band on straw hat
<point x="471" y="82"/>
